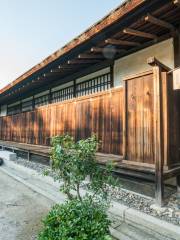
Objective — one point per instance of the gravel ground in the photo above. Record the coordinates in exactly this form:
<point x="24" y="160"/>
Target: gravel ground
<point x="21" y="210"/>
<point x="170" y="213"/>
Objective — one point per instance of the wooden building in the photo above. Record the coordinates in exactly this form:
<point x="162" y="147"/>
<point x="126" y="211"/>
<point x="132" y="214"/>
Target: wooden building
<point x="118" y="79"/>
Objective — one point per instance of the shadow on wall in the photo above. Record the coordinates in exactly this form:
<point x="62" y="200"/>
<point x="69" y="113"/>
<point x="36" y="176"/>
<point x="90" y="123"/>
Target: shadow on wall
<point x="101" y="115"/>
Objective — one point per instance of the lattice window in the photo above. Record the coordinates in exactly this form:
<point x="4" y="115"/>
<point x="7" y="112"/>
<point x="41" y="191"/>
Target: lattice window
<point x="14" y="109"/>
<point x="27" y="106"/>
<point x="100" y="83"/>
<point x="41" y="101"/>
<point x="63" y="94"/>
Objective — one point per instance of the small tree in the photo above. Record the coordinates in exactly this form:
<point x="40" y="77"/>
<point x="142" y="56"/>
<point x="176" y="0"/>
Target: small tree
<point x="82" y="217"/>
<point x="73" y="162"/>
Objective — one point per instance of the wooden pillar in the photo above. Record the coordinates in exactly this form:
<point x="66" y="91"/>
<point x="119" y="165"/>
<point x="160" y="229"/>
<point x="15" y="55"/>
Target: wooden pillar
<point x="125" y="126"/>
<point x="176" y="65"/>
<point x="158" y="137"/>
<point x="177" y="49"/>
<point x="178" y="185"/>
<point x="50" y="96"/>
<point x="158" y="132"/>
<point x="112" y="74"/>
<point x="33" y="103"/>
<point x="74" y="88"/>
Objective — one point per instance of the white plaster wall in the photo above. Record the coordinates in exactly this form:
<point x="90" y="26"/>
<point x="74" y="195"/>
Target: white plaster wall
<point x="3" y="110"/>
<point x="137" y="62"/>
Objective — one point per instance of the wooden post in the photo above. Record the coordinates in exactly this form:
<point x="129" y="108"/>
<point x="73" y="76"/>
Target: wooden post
<point x="178" y="185"/>
<point x="177" y="49"/>
<point x="33" y="103"/>
<point x="158" y="132"/>
<point x="74" y="88"/>
<point x="50" y="96"/>
<point x="28" y="155"/>
<point x="158" y="137"/>
<point x="125" y="122"/>
<point x="112" y="74"/>
<point x="176" y="65"/>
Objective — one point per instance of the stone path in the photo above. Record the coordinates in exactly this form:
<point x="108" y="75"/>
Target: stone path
<point x="21" y="210"/>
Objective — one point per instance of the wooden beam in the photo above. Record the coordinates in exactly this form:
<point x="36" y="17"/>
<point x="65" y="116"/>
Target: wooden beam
<point x="51" y="74"/>
<point x="106" y="49"/>
<point x="161" y="23"/>
<point x="90" y="56"/>
<point x="65" y="67"/>
<point x="59" y="70"/>
<point x="153" y="61"/>
<point x="78" y="61"/>
<point x="121" y="42"/>
<point x="176" y="2"/>
<point x="133" y="32"/>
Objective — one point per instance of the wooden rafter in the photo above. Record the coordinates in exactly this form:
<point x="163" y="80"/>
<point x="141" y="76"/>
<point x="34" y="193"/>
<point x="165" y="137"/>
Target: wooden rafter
<point x="59" y="70"/>
<point x="65" y="67"/>
<point x="121" y="42"/>
<point x="79" y="61"/>
<point x="133" y="32"/>
<point x="90" y="56"/>
<point x="110" y="50"/>
<point x="50" y="74"/>
<point x="161" y="23"/>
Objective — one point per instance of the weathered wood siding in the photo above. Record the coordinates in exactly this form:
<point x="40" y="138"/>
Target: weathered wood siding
<point x="140" y="119"/>
<point x="100" y="113"/>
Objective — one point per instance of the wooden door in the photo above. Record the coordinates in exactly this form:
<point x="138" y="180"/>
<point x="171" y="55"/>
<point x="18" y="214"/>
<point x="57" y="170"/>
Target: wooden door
<point x="139" y="118"/>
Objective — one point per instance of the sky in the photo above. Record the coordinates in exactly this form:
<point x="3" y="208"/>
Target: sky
<point x="30" y="30"/>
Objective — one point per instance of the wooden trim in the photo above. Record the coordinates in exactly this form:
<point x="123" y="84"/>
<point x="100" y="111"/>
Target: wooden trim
<point x="165" y="102"/>
<point x="138" y="163"/>
<point x="125" y="126"/>
<point x="137" y="75"/>
<point x="158" y="136"/>
<point x="153" y="61"/>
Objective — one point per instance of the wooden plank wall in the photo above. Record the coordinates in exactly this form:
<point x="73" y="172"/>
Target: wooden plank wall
<point x="100" y="113"/>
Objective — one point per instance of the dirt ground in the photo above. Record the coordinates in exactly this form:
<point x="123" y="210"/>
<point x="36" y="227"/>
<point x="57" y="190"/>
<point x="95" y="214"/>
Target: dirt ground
<point x="21" y="210"/>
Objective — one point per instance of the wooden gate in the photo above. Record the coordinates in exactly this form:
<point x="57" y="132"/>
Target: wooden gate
<point x="139" y="119"/>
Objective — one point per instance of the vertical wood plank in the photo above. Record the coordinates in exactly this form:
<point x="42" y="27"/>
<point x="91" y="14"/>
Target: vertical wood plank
<point x="158" y="136"/>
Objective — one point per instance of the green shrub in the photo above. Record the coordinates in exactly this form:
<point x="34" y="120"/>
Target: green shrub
<point x="74" y="161"/>
<point x="83" y="217"/>
<point x="76" y="220"/>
